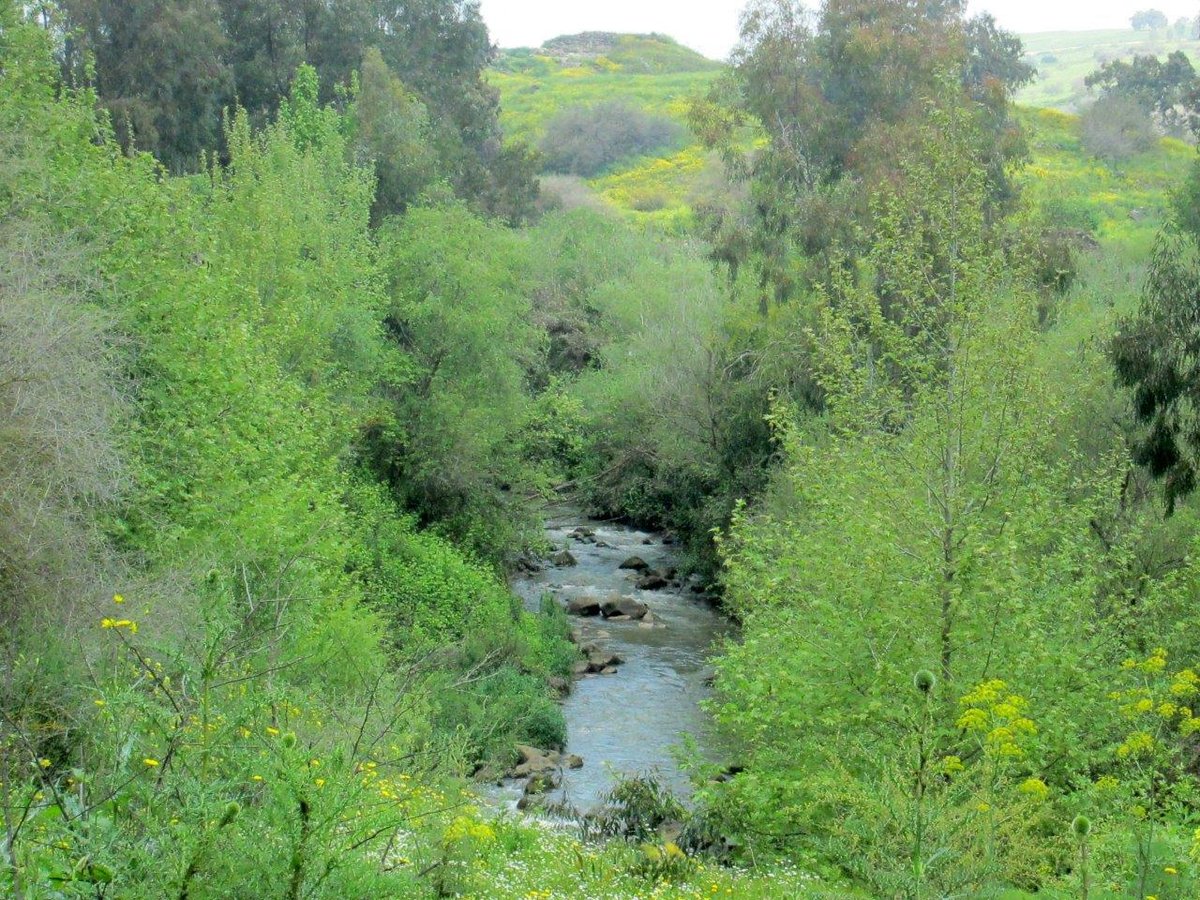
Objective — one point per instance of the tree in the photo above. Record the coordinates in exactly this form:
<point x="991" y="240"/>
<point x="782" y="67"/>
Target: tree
<point x="926" y="520"/>
<point x="160" y="71"/>
<point x="395" y="134"/>
<point x="585" y="141"/>
<point x="1156" y="354"/>
<point x="264" y="51"/>
<point x="836" y="94"/>
<point x="1168" y="90"/>
<point x="1148" y="20"/>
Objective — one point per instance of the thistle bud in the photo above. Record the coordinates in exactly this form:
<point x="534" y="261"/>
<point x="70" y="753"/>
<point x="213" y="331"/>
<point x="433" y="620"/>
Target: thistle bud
<point x="1081" y="827"/>
<point x="925" y="681"/>
<point x="231" y="813"/>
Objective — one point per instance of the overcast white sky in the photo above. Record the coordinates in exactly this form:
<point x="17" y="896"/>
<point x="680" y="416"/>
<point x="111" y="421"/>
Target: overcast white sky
<point x="710" y="26"/>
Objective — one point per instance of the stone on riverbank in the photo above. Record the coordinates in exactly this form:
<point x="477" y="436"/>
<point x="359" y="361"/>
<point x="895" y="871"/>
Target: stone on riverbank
<point x="636" y="563"/>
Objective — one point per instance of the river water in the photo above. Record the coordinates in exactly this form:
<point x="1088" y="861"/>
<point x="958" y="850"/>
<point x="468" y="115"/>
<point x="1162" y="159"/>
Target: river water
<point x="629" y="722"/>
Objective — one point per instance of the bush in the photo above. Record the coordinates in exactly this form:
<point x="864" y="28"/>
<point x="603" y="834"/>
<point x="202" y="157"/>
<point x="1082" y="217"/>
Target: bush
<point x="588" y="140"/>
<point x="1116" y="128"/>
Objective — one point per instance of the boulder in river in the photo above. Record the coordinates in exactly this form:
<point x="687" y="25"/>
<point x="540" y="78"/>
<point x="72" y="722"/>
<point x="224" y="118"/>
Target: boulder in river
<point x="583" y="606"/>
<point x="542" y="782"/>
<point x="599" y="660"/>
<point x="623" y="606"/>
<point x="586" y="535"/>
<point x="652" y="581"/>
<point x="636" y="563"/>
<point x="535" y="762"/>
<point x="564" y="558"/>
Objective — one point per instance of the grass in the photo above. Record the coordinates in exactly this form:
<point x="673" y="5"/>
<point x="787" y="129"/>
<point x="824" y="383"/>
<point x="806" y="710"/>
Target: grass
<point x="1123" y="203"/>
<point x="1065" y="58"/>
<point x="533" y="861"/>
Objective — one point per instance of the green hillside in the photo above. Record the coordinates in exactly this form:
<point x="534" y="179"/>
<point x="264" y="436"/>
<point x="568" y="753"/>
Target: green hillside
<point x="535" y="85"/>
<point x="1065" y="58"/>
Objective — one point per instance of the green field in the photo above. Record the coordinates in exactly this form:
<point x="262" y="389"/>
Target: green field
<point x="1065" y="58"/>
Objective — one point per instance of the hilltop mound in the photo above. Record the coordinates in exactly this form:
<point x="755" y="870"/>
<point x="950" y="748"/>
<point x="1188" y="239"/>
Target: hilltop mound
<point x="610" y="51"/>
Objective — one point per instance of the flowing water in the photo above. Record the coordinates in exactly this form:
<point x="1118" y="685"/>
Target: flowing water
<point x="629" y="722"/>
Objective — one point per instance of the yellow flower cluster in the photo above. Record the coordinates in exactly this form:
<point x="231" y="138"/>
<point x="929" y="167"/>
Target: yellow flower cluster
<point x="1035" y="788"/>
<point x="467" y="827"/>
<point x="1140" y="743"/>
<point x="119" y="623"/>
<point x="998" y="717"/>
<point x="1168" y="704"/>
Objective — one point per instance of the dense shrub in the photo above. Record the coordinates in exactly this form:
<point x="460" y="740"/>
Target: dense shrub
<point x="1115" y="128"/>
<point x="587" y="140"/>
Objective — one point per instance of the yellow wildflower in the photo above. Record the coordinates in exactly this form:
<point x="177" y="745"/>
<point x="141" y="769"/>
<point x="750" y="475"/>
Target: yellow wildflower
<point x="1035" y="787"/>
<point x="150" y="762"/>
<point x="973" y="720"/>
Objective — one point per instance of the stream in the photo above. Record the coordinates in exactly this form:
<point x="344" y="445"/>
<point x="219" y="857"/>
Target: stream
<point x="628" y="722"/>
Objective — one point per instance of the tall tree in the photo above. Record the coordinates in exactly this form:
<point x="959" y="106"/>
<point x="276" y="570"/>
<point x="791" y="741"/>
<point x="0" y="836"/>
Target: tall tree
<point x="1156" y="353"/>
<point x="1148" y="20"/>
<point x="1169" y="91"/>
<point x="160" y="70"/>
<point x="836" y="94"/>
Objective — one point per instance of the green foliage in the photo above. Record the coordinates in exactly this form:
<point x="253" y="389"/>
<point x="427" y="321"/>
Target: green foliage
<point x="160" y="70"/>
<point x="166" y="72"/>
<point x="1154" y="359"/>
<point x="286" y="635"/>
<point x="837" y="97"/>
<point x="459" y="312"/>
<point x="394" y="132"/>
<point x="924" y="519"/>
<point x="634" y="810"/>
